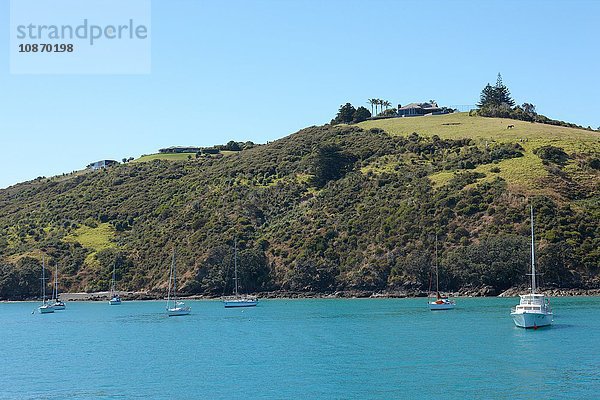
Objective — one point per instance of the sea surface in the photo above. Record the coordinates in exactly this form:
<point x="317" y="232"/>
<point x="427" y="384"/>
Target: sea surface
<point x="299" y="349"/>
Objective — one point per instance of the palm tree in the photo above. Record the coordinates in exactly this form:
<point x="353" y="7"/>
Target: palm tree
<point x="372" y="102"/>
<point x="387" y="104"/>
<point x="380" y="102"/>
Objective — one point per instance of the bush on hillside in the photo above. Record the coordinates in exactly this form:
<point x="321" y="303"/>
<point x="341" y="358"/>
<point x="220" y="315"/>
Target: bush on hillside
<point x="329" y="163"/>
<point x="552" y="154"/>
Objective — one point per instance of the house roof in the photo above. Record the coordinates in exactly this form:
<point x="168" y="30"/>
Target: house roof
<point x="424" y="106"/>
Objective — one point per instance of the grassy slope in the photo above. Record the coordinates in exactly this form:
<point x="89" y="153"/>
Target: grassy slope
<point x="523" y="174"/>
<point x="165" y="156"/>
<point x="98" y="238"/>
<point x="175" y="156"/>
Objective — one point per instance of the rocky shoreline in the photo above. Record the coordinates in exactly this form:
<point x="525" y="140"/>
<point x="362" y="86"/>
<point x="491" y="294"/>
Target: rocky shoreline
<point x="345" y="294"/>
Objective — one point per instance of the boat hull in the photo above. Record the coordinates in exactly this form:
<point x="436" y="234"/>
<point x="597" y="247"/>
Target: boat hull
<point x="532" y="320"/>
<point x="433" y="306"/>
<point x="59" y="306"/>
<point x="46" y="309"/>
<point x="239" y="303"/>
<point x="114" y="302"/>
<point x="175" y="312"/>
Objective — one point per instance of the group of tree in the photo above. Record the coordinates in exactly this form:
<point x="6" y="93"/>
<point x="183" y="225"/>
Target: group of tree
<point x="496" y="101"/>
<point x="348" y="114"/>
<point x="495" y="96"/>
<point x="378" y="103"/>
<point x="232" y="145"/>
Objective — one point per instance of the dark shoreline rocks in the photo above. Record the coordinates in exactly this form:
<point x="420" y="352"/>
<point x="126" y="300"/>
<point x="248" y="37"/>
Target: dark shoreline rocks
<point x="484" y="291"/>
<point x="349" y="294"/>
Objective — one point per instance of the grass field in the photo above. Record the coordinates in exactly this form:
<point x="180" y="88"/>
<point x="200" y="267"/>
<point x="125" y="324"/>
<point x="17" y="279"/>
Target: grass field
<point x="523" y="172"/>
<point x="97" y="239"/>
<point x="176" y="156"/>
<point x="165" y="156"/>
<point x="460" y="125"/>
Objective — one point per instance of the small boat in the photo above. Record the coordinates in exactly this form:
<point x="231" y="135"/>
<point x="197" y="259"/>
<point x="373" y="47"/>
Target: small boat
<point x="178" y="307"/>
<point x="238" y="300"/>
<point x="57" y="303"/>
<point x="45" y="308"/>
<point x="115" y="299"/>
<point x="441" y="302"/>
<point x="534" y="309"/>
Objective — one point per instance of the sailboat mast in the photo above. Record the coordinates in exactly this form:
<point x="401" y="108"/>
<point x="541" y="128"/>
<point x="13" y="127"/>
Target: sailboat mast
<point x="235" y="266"/>
<point x="174" y="279"/>
<point x="43" y="280"/>
<point x="437" y="275"/>
<point x="170" y="280"/>
<point x="55" y="292"/>
<point x="112" y="283"/>
<point x="533" y="287"/>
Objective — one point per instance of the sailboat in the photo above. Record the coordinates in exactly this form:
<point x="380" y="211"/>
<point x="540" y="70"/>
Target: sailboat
<point x="238" y="300"/>
<point x="45" y="308"/>
<point x="57" y="303"/>
<point x="441" y="302"/>
<point x="175" y="308"/>
<point x="115" y="299"/>
<point x="534" y="309"/>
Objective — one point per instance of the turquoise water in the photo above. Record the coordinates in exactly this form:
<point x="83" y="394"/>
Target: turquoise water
<point x="299" y="349"/>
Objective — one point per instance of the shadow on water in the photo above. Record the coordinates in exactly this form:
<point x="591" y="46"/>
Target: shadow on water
<point x="559" y="326"/>
<point x="148" y="318"/>
<point x="546" y="328"/>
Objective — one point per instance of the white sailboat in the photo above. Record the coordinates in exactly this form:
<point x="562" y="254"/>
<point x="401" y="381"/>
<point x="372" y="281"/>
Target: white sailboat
<point x="534" y="309"/>
<point x="175" y="307"/>
<point x="238" y="300"/>
<point x="441" y="302"/>
<point x="57" y="303"/>
<point x="45" y="308"/>
<point x="115" y="299"/>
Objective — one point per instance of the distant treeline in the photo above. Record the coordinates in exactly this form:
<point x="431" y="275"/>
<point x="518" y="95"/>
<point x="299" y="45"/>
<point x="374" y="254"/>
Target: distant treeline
<point x="230" y="146"/>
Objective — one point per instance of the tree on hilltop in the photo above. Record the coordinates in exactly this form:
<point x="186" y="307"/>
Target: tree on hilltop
<point x="361" y="114"/>
<point x="372" y="102"/>
<point x="502" y="93"/>
<point x="345" y="114"/>
<point x="495" y="96"/>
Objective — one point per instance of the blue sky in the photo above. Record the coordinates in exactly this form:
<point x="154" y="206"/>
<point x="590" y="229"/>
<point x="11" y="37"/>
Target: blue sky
<point x="260" y="70"/>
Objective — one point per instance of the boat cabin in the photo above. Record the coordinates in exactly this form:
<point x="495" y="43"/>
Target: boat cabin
<point x="535" y="302"/>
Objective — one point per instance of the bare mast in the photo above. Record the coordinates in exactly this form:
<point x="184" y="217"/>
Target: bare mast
<point x="533" y="286"/>
<point x="235" y="266"/>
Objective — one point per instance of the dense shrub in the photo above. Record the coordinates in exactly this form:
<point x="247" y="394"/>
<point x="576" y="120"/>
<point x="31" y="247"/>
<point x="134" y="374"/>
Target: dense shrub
<point x="552" y="154"/>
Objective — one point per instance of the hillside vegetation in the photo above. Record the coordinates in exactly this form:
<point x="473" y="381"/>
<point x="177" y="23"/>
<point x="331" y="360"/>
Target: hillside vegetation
<point x="327" y="208"/>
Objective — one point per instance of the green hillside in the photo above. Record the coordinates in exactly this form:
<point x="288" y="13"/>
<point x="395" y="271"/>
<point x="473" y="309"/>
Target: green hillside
<point x="523" y="174"/>
<point x="328" y="208"/>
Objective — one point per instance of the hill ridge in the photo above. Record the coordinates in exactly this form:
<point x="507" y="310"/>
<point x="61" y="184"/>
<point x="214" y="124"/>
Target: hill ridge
<point x="368" y="226"/>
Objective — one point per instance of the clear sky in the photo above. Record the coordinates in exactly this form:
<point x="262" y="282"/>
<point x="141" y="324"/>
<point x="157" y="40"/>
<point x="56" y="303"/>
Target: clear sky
<point x="260" y="70"/>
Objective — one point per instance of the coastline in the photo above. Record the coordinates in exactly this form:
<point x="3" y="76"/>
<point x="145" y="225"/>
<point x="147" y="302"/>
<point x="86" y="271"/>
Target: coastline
<point x="345" y="294"/>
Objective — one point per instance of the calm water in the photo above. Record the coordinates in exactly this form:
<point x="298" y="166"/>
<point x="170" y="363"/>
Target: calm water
<point x="299" y="349"/>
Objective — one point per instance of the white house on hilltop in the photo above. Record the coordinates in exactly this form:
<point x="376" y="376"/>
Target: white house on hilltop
<point x="101" y="164"/>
